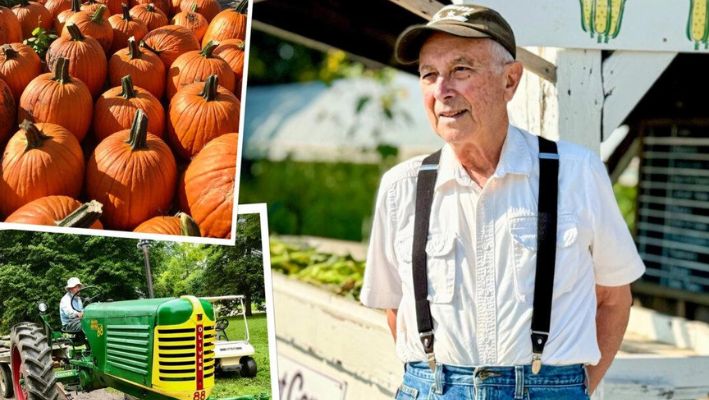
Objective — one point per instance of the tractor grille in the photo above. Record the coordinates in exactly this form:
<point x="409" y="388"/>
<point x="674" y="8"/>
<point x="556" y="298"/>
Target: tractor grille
<point x="179" y="357"/>
<point x="128" y="347"/>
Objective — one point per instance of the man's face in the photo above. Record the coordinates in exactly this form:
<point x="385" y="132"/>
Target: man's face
<point x="465" y="86"/>
<point x="75" y="289"/>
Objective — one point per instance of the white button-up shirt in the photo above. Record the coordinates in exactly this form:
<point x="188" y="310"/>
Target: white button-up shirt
<point x="482" y="256"/>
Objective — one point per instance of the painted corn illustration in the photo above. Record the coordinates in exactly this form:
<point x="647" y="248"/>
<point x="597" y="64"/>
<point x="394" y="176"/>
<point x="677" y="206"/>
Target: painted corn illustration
<point x="698" y="23"/>
<point x="602" y="18"/>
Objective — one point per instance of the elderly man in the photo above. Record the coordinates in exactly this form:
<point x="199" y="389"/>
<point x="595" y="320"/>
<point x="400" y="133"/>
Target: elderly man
<point x="502" y="260"/>
<point x="69" y="313"/>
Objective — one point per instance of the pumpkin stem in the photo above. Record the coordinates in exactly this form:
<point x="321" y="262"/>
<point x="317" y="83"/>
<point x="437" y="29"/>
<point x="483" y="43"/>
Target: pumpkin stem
<point x="147" y="46"/>
<point x="128" y="89"/>
<point x="84" y="216"/>
<point x="188" y="226"/>
<point x="9" y="52"/>
<point x="61" y="70"/>
<point x="133" y="49"/>
<point x="139" y="131"/>
<point x="35" y="137"/>
<point x="126" y="12"/>
<point x="75" y="33"/>
<point x="150" y="7"/>
<point x="241" y="8"/>
<point x="210" y="88"/>
<point x="209" y="48"/>
<point x="97" y="18"/>
<point x="76" y="5"/>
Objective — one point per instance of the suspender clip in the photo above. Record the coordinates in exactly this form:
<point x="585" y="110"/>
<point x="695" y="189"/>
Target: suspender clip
<point x="536" y="362"/>
<point x="539" y="339"/>
<point x="427" y="342"/>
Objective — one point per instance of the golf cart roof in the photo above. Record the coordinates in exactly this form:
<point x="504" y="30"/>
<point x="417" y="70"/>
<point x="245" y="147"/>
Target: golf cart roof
<point x="213" y="299"/>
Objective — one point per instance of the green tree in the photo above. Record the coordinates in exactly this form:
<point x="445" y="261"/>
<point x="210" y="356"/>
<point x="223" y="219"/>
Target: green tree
<point x="34" y="267"/>
<point x="238" y="269"/>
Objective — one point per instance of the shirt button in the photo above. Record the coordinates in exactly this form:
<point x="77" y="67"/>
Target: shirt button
<point x="488" y="246"/>
<point x="488" y="292"/>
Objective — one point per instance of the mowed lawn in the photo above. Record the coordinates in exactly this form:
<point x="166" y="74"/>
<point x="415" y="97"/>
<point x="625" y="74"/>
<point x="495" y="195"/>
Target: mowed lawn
<point x="261" y="384"/>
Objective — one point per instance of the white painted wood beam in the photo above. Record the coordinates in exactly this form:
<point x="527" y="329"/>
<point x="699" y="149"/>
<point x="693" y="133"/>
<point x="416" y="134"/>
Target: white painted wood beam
<point x="569" y="109"/>
<point x="627" y="76"/>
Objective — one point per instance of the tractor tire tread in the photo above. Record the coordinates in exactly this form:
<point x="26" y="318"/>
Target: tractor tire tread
<point x="40" y="382"/>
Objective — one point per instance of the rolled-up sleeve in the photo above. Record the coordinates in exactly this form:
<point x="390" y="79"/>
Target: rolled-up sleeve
<point x="616" y="260"/>
<point x="382" y="284"/>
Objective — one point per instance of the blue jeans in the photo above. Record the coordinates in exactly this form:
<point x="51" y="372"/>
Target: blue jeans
<point x="493" y="383"/>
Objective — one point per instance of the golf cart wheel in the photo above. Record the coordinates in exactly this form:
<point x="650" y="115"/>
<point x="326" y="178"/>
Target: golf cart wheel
<point x="248" y="367"/>
<point x="5" y="381"/>
<point x="31" y="359"/>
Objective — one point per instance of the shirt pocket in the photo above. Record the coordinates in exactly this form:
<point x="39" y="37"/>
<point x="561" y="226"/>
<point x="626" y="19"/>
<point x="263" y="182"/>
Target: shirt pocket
<point x="524" y="242"/>
<point x="441" y="265"/>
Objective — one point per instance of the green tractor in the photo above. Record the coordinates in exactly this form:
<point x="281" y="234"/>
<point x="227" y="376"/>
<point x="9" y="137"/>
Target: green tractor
<point x="156" y="349"/>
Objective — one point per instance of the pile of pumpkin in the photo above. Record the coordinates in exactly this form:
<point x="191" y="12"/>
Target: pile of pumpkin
<point x="128" y="123"/>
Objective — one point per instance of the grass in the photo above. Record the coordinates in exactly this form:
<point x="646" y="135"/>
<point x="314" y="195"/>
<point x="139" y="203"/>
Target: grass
<point x="238" y="386"/>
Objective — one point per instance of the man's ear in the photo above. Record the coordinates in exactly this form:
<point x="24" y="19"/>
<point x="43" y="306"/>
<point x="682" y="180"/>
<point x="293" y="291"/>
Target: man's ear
<point x="513" y="74"/>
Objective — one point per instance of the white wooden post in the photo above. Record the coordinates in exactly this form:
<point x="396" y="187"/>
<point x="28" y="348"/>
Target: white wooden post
<point x="571" y="109"/>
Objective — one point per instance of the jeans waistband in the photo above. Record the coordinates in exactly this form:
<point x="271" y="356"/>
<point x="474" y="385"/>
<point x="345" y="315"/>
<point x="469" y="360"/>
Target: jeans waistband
<point x="549" y="375"/>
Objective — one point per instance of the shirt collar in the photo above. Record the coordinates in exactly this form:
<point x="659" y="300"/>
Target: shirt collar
<point x="515" y="158"/>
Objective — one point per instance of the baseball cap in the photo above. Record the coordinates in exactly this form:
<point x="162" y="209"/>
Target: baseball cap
<point x="72" y="282"/>
<point x="468" y="20"/>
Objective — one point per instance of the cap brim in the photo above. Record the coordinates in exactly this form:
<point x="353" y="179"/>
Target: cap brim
<point x="408" y="45"/>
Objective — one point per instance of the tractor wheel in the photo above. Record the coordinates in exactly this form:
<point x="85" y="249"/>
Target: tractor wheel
<point x="5" y="381"/>
<point x="248" y="367"/>
<point x="32" y="369"/>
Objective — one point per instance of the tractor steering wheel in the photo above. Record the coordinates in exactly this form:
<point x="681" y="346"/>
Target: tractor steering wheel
<point x="87" y="300"/>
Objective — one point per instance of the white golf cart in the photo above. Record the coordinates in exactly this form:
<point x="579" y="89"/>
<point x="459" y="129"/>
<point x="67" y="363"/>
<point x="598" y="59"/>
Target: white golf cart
<point x="232" y="356"/>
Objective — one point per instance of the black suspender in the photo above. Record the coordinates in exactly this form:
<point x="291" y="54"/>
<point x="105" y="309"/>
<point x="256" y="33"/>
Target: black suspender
<point x="424" y="197"/>
<point x="546" y="249"/>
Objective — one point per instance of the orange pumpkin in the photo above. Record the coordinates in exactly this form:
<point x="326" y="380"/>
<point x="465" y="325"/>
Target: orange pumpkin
<point x="199" y="113"/>
<point x="181" y="224"/>
<point x="59" y="211"/>
<point x="191" y="20"/>
<point x="91" y="6"/>
<point x="115" y="109"/>
<point x="39" y="160"/>
<point x="151" y="16"/>
<point x="206" y="190"/>
<point x="32" y="14"/>
<point x="59" y="99"/>
<point x="228" y="24"/>
<point x="114" y="6"/>
<point x="10" y="28"/>
<point x="56" y="6"/>
<point x="63" y="16"/>
<point x="19" y="64"/>
<point x="169" y="42"/>
<point x="8" y="112"/>
<point x="162" y="5"/>
<point x="208" y="8"/>
<point x="88" y="60"/>
<point x="125" y="26"/>
<point x="94" y="25"/>
<point x="196" y="66"/>
<point x="143" y="65"/>
<point x="133" y="173"/>
<point x="232" y="51"/>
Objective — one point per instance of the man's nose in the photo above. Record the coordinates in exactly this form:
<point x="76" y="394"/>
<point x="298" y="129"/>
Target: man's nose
<point x="443" y="89"/>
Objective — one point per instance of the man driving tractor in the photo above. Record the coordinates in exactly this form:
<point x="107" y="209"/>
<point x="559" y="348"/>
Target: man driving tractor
<point x="69" y="313"/>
